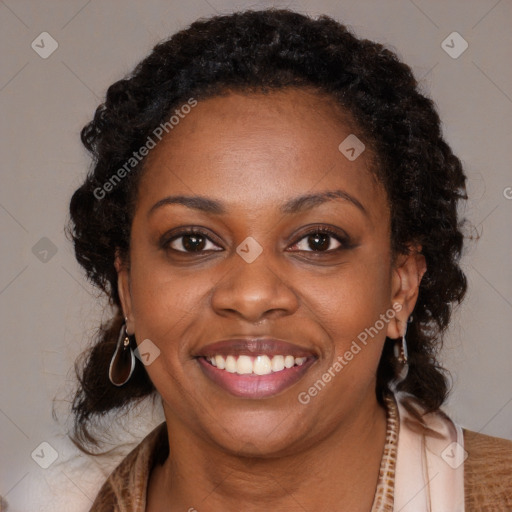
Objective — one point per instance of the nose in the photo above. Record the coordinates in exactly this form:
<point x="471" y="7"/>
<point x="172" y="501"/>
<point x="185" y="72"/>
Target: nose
<point x="254" y="291"/>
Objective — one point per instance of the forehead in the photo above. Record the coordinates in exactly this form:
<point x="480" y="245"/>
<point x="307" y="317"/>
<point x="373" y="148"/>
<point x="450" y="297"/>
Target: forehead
<point x="259" y="148"/>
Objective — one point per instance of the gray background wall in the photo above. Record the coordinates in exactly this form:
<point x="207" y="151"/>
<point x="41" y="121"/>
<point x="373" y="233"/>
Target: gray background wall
<point x="49" y="311"/>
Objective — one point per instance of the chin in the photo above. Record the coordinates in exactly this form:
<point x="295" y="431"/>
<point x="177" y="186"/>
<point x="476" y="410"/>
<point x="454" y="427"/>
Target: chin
<point x="258" y="434"/>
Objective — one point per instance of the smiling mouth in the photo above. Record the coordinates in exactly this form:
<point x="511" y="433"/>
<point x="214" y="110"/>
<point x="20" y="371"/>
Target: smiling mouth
<point x="255" y="365"/>
<point x="254" y="377"/>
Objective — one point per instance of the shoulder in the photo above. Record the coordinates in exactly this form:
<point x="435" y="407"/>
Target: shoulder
<point x="125" y="488"/>
<point x="487" y="472"/>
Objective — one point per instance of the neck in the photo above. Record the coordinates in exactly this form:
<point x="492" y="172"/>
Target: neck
<point x="340" y="468"/>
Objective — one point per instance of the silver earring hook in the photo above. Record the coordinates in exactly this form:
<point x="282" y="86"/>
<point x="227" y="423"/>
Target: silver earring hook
<point x="123" y="361"/>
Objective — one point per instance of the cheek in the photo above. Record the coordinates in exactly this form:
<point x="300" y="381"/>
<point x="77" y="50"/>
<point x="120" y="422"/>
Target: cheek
<point x="351" y="310"/>
<point x="355" y="296"/>
<point x="165" y="302"/>
<point x="166" y="307"/>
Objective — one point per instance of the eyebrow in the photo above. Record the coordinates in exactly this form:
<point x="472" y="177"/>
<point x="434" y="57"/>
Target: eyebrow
<point x="292" y="206"/>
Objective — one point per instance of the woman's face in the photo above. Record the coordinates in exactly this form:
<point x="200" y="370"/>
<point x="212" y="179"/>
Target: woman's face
<point x="258" y="268"/>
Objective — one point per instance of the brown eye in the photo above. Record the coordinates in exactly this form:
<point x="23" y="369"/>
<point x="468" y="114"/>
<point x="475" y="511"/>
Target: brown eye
<point x="190" y="242"/>
<point x="320" y="240"/>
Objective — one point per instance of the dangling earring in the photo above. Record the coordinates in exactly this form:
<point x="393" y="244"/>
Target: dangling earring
<point x="402" y="357"/>
<point x="123" y="360"/>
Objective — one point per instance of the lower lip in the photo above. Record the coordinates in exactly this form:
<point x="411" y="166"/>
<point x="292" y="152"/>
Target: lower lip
<point x="255" y="386"/>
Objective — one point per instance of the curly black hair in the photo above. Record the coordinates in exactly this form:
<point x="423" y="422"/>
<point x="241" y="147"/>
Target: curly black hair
<point x="261" y="51"/>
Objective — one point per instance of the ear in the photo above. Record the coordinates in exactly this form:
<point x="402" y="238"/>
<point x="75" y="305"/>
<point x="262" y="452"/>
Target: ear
<point x="123" y="287"/>
<point x="405" y="285"/>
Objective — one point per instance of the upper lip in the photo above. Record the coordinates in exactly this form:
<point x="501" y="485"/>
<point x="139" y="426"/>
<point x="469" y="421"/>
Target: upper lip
<point x="254" y="346"/>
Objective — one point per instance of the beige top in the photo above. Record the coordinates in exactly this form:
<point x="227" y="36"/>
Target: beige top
<point x="487" y="472"/>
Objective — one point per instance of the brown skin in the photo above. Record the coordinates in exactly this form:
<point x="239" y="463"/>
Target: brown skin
<point x="252" y="153"/>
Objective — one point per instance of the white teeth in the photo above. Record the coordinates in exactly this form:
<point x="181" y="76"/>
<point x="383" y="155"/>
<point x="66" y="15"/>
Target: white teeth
<point x="277" y="363"/>
<point x="262" y="365"/>
<point x="289" y="361"/>
<point x="230" y="364"/>
<point x="243" y="365"/>
<point x="259" y="365"/>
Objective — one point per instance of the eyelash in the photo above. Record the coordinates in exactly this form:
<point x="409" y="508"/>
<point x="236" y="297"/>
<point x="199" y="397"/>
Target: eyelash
<point x="342" y="239"/>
